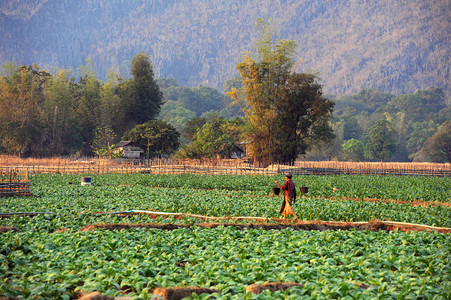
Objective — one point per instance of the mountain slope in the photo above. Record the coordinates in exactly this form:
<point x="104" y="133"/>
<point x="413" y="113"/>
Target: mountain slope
<point x="395" y="46"/>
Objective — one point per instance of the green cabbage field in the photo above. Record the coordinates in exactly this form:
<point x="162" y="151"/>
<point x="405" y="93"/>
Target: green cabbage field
<point x="47" y="256"/>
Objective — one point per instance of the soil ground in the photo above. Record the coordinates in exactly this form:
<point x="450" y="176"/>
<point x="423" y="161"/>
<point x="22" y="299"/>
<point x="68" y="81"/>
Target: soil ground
<point x="373" y="225"/>
<point x="259" y="223"/>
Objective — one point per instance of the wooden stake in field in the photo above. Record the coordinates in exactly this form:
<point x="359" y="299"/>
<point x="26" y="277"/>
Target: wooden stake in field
<point x="14" y="183"/>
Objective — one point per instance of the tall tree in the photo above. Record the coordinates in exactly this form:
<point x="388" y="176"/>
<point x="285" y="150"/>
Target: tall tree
<point x="381" y="144"/>
<point x="61" y="132"/>
<point x="147" y="97"/>
<point x="400" y="129"/>
<point x="124" y="121"/>
<point x="109" y="101"/>
<point x="21" y="98"/>
<point x="286" y="111"/>
<point x="89" y="106"/>
<point x="303" y="116"/>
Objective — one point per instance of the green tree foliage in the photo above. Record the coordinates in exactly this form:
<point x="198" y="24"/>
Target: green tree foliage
<point x="286" y="112"/>
<point x="438" y="147"/>
<point x="351" y="129"/>
<point x="103" y="143"/>
<point x="421" y="105"/>
<point x="109" y="101"/>
<point x="210" y="99"/>
<point x="176" y="114"/>
<point x="233" y="83"/>
<point x="140" y="96"/>
<point x="191" y="126"/>
<point x="62" y="118"/>
<point x="303" y="115"/>
<point x="411" y="123"/>
<point x="421" y="131"/>
<point x="182" y="103"/>
<point x="124" y="121"/>
<point x="157" y="137"/>
<point x="325" y="151"/>
<point x="14" y="139"/>
<point x="197" y="99"/>
<point x="213" y="139"/>
<point x="373" y="99"/>
<point x="353" y="150"/>
<point x="347" y="127"/>
<point x="44" y="114"/>
<point x="21" y="100"/>
<point x="89" y="106"/>
<point x="147" y="96"/>
<point x="380" y="145"/>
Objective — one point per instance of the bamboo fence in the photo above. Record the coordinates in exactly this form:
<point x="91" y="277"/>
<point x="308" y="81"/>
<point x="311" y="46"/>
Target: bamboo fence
<point x="220" y="167"/>
<point x="14" y="182"/>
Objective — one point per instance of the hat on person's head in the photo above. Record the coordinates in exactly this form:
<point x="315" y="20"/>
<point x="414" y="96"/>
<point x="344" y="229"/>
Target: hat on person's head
<point x="289" y="175"/>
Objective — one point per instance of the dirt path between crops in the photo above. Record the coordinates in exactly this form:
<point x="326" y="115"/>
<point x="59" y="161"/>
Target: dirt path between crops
<point x="373" y="225"/>
<point x="279" y="224"/>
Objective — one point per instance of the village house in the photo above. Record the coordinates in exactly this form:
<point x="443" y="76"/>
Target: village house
<point x="129" y="150"/>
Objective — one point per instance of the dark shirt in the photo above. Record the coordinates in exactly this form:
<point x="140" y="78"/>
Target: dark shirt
<point x="290" y="189"/>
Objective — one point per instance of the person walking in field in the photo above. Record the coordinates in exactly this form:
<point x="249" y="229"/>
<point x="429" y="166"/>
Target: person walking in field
<point x="289" y="197"/>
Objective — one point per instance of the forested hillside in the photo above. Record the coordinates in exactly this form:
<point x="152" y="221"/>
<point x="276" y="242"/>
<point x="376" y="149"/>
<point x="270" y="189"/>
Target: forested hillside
<point x="394" y="46"/>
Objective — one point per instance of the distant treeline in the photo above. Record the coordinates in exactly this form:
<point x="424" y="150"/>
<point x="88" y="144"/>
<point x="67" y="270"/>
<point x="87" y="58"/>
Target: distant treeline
<point x="45" y="114"/>
<point x="412" y="118"/>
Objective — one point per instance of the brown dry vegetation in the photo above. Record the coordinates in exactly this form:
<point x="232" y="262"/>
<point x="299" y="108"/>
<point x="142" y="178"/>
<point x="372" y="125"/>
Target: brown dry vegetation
<point x="271" y="286"/>
<point x="216" y="167"/>
<point x="6" y="229"/>
<point x="178" y="293"/>
<point x="181" y="292"/>
<point x="11" y="161"/>
<point x="373" y="225"/>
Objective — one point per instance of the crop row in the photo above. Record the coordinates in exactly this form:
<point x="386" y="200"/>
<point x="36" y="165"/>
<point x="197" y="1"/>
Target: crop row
<point x="408" y="188"/>
<point x="77" y="206"/>
<point x="331" y="264"/>
<point x="73" y="206"/>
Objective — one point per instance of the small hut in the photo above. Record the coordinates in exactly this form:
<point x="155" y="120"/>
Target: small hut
<point x="129" y="150"/>
<point x="230" y="151"/>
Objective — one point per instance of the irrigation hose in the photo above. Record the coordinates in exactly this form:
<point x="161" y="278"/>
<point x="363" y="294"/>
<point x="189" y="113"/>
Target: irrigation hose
<point x="30" y="213"/>
<point x="260" y="218"/>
